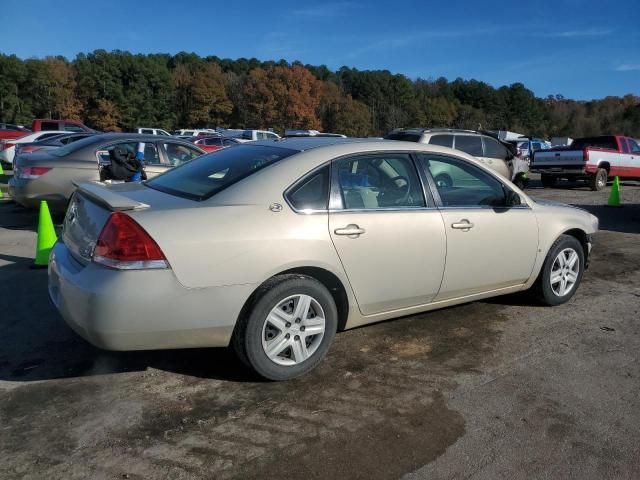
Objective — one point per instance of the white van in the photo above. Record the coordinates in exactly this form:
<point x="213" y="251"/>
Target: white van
<point x="152" y="131"/>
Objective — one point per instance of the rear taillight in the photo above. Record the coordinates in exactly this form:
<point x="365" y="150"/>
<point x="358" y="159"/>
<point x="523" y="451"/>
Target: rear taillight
<point x="125" y="245"/>
<point x="33" y="172"/>
<point x="6" y="145"/>
<point x="29" y="149"/>
<point x="585" y="155"/>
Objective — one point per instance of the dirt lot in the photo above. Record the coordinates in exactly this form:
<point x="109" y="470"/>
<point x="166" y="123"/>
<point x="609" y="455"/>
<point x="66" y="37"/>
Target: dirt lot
<point x="493" y="389"/>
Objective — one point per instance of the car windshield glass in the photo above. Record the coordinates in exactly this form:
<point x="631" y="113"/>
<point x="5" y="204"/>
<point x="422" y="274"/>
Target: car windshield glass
<point x="204" y="177"/>
<point x="72" y="147"/>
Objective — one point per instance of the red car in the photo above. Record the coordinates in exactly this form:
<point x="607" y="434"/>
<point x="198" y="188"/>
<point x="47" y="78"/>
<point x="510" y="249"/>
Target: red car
<point x="211" y="143"/>
<point x="9" y="131"/>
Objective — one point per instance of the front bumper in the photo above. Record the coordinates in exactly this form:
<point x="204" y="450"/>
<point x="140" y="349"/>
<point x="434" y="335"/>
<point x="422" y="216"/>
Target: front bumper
<point x="141" y="309"/>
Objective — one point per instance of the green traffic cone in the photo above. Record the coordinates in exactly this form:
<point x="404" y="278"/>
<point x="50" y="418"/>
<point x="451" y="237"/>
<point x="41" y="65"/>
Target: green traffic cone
<point x="46" y="236"/>
<point x="1" y="169"/>
<point x="614" y="196"/>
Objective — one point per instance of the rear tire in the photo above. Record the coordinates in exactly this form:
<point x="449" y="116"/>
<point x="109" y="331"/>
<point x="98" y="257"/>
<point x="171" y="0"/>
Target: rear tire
<point x="272" y="337"/>
<point x="548" y="181"/>
<point x="561" y="273"/>
<point x="598" y="180"/>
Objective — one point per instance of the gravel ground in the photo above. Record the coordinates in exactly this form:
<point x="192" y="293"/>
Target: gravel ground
<point x="493" y="389"/>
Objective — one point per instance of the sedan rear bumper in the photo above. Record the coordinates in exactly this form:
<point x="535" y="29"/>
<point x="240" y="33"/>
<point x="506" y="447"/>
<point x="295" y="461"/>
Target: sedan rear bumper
<point x="142" y="309"/>
<point x="29" y="193"/>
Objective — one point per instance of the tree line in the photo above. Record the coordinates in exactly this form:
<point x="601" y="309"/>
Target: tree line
<point x="119" y="91"/>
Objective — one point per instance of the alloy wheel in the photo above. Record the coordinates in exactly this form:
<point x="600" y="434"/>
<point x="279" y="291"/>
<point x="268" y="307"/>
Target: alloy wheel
<point x="293" y="330"/>
<point x="564" y="272"/>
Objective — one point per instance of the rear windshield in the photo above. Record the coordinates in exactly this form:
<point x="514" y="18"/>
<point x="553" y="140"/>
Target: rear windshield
<point x="204" y="177"/>
<point x="73" y="146"/>
<point x="597" y="142"/>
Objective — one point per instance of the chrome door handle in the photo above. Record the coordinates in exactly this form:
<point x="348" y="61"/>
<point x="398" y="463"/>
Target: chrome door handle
<point x="463" y="224"/>
<point x="352" y="230"/>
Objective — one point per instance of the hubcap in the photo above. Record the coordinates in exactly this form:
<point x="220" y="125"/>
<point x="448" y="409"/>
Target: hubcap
<point x="293" y="330"/>
<point x="564" y="272"/>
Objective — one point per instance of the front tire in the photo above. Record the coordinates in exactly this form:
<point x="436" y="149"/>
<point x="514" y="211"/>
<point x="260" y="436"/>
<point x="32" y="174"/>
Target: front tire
<point x="598" y="180"/>
<point x="288" y="328"/>
<point x="561" y="273"/>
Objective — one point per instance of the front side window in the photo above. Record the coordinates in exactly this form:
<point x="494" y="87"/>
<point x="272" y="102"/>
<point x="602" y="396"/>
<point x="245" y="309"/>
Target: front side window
<point x="461" y="184"/>
<point x="494" y="149"/>
<point x="471" y="144"/>
<point x="312" y="192"/>
<point x="146" y="131"/>
<point x="178" y="153"/>
<point x="633" y="146"/>
<point x="385" y="180"/>
<point x="442" y="140"/>
<point x="210" y="174"/>
<point x="213" y="141"/>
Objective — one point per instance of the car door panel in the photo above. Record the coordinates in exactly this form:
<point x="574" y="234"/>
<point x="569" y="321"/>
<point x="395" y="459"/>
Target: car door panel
<point x="391" y="246"/>
<point x="489" y="245"/>
<point x="398" y="259"/>
<point x="498" y="251"/>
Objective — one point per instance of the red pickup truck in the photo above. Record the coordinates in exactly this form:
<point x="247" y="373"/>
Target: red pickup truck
<point x="592" y="158"/>
<point x="40" y="124"/>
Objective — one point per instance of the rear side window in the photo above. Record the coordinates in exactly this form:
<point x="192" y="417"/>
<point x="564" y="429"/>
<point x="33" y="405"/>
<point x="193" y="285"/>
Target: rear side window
<point x="471" y="144"/>
<point x="442" y="140"/>
<point x="494" y="149"/>
<point x="608" y="142"/>
<point x="312" y="192"/>
<point x="210" y="174"/>
<point x="49" y="126"/>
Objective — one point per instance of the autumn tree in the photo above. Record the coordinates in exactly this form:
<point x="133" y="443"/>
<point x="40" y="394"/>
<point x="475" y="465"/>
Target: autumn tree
<point x="282" y="98"/>
<point x="105" y="116"/>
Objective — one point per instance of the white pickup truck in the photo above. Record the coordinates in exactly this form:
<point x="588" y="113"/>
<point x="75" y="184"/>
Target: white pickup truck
<point x="593" y="159"/>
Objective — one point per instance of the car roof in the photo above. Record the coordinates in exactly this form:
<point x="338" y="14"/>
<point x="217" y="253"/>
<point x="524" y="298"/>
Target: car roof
<point x="301" y="144"/>
<point x="139" y="137"/>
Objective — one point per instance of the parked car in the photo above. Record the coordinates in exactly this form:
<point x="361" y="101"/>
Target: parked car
<point x="152" y="131"/>
<point x="214" y="142"/>
<point x="593" y="159"/>
<point x="495" y="153"/>
<point x="194" y="132"/>
<point x="50" y="142"/>
<point x="527" y="147"/>
<point x="40" y="124"/>
<point x="13" y="126"/>
<point x="249" y="135"/>
<point x="8" y="147"/>
<point x="311" y="133"/>
<point x="49" y="174"/>
<point x="273" y="246"/>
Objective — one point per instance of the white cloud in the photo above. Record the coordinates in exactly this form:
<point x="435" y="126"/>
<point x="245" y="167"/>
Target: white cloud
<point x="325" y="10"/>
<point x="628" y="67"/>
<point x="590" y="32"/>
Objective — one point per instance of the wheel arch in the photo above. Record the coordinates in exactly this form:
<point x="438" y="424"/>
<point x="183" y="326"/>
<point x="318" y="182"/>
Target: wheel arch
<point x="605" y="165"/>
<point x="582" y="237"/>
<point x="327" y="278"/>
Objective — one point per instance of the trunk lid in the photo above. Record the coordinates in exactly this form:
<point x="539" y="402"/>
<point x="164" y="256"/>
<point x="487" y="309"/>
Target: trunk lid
<point x="93" y="203"/>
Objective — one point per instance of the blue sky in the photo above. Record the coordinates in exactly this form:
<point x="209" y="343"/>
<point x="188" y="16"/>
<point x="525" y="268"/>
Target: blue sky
<point x="581" y="49"/>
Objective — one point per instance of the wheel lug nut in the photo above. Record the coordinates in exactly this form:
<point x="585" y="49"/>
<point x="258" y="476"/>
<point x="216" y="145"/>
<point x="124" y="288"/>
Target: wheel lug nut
<point x="288" y="324"/>
<point x="297" y="320"/>
<point x="302" y="328"/>
<point x="287" y="336"/>
<point x="296" y="337"/>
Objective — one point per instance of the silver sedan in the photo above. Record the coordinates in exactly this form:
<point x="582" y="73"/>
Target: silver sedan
<point x="272" y="247"/>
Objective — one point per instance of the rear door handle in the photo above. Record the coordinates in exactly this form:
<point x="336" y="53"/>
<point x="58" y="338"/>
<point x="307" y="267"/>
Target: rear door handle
<point x="463" y="224"/>
<point x="352" y="230"/>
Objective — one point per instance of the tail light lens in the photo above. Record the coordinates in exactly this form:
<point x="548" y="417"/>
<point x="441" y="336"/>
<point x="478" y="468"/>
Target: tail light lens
<point x="585" y="155"/>
<point x="32" y="172"/>
<point x="125" y="245"/>
<point x="6" y="145"/>
<point x="28" y="149"/>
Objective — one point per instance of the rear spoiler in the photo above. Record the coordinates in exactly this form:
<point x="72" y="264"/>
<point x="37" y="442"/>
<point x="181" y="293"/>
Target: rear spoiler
<point x="98" y="192"/>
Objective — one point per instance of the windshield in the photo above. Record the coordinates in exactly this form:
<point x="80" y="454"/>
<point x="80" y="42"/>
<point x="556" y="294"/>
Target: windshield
<point x="205" y="176"/>
<point x="73" y="146"/>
